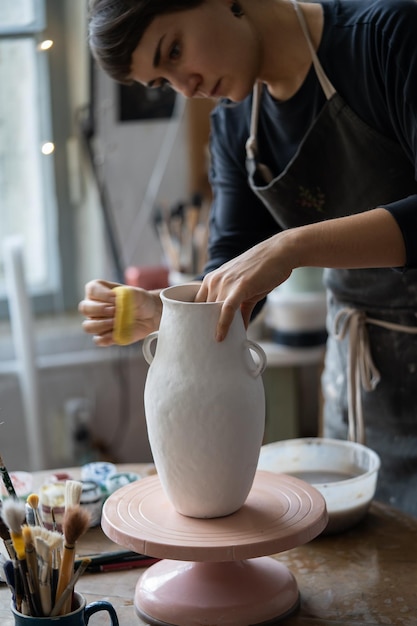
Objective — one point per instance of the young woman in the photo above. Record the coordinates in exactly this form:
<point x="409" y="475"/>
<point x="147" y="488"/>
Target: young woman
<point x="314" y="151"/>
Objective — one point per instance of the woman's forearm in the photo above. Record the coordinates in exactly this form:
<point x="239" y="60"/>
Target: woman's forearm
<point x="365" y="240"/>
<point x="370" y="239"/>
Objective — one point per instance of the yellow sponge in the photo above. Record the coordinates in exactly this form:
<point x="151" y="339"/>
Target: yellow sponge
<point x="125" y="315"/>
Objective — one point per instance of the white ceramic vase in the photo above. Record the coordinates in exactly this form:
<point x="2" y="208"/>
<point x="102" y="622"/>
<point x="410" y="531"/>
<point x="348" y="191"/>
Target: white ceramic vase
<point x="204" y="406"/>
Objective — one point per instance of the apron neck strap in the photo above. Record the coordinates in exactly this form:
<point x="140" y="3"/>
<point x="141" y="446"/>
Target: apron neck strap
<point x="251" y="143"/>
<point x="325" y="83"/>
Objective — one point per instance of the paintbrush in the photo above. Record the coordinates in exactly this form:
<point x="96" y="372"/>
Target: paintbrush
<point x="44" y="554"/>
<point x="33" y="502"/>
<point x="18" y="587"/>
<point x="54" y="522"/>
<point x="54" y="541"/>
<point x="46" y="534"/>
<point x="45" y="547"/>
<point x="5" y="535"/>
<point x="116" y="556"/>
<point x="122" y="565"/>
<point x="32" y="563"/>
<point x="14" y="515"/>
<point x="169" y="248"/>
<point x="119" y="560"/>
<point x="7" y="480"/>
<point x="75" y="523"/>
<point x="35" y="603"/>
<point x="56" y="560"/>
<point x="55" y="566"/>
<point x="73" y="491"/>
<point x="8" y="571"/>
<point x="65" y="599"/>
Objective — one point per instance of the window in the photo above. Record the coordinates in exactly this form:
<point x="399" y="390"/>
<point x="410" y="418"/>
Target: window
<point x="29" y="177"/>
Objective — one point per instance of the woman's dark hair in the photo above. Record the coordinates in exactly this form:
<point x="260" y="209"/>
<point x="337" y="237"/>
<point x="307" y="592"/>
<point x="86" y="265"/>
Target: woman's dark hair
<point x="117" y="26"/>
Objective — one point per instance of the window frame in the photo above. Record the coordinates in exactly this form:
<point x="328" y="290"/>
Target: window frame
<point x="49" y="23"/>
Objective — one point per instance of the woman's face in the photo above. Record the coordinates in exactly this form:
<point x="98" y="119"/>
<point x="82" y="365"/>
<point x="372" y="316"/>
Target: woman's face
<point x="204" y="52"/>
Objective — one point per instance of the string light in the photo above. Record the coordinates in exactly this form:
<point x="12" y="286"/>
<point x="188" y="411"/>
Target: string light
<point x="46" y="44"/>
<point x="48" y="147"/>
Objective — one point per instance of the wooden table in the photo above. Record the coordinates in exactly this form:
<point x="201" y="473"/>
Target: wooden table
<point x="367" y="575"/>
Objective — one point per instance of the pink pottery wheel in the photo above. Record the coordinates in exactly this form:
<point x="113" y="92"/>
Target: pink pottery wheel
<point x="216" y="571"/>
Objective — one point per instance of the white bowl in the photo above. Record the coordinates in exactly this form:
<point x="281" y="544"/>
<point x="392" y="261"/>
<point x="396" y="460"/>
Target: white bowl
<point x="295" y="312"/>
<point x="345" y="473"/>
<point x="296" y="319"/>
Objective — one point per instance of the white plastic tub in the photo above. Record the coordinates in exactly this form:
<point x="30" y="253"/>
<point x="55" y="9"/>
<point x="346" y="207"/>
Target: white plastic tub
<point x="344" y="472"/>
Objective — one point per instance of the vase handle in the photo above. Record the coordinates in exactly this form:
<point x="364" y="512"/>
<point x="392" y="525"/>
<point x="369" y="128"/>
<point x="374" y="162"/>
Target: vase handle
<point x="146" y="346"/>
<point x="261" y="355"/>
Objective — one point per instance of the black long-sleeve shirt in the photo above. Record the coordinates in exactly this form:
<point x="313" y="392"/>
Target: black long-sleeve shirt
<point x="369" y="52"/>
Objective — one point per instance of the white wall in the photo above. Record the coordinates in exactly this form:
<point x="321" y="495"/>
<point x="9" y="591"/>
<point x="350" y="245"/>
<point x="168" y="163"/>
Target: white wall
<point x="129" y="155"/>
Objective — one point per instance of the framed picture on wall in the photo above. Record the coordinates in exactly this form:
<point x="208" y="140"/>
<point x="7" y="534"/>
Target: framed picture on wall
<point x="137" y="102"/>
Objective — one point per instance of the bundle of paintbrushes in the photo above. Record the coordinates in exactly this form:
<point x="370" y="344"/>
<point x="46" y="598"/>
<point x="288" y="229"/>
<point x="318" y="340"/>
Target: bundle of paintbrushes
<point x="182" y="231"/>
<point x="40" y="571"/>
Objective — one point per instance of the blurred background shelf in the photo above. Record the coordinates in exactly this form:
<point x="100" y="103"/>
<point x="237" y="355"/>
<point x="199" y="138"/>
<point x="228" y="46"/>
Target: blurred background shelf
<point x="292" y="391"/>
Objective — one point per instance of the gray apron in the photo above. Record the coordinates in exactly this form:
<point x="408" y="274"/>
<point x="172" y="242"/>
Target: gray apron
<point x="342" y="167"/>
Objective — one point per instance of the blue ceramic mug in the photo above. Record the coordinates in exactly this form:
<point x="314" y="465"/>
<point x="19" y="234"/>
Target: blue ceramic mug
<point x="79" y="616"/>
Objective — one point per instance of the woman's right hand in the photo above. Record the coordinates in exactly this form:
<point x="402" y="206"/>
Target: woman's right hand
<point x="99" y="307"/>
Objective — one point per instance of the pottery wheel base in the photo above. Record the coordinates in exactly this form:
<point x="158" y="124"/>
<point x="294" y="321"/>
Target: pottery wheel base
<point x="183" y="593"/>
<point x="215" y="571"/>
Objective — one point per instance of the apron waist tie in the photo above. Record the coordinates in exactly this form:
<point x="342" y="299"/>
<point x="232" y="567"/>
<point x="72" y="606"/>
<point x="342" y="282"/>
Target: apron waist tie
<point x="362" y="372"/>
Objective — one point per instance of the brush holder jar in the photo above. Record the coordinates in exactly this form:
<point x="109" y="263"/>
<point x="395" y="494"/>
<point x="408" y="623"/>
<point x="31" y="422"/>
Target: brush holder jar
<point x="79" y="616"/>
